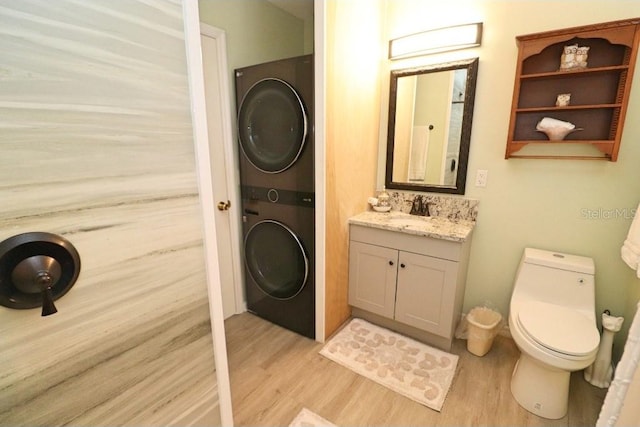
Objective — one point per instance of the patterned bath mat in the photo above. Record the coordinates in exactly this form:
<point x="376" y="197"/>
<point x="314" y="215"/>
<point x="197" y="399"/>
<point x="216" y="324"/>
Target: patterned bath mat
<point x="406" y="366"/>
<point x="306" y="418"/>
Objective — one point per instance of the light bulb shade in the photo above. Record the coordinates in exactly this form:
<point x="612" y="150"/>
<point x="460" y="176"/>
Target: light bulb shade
<point x="438" y="40"/>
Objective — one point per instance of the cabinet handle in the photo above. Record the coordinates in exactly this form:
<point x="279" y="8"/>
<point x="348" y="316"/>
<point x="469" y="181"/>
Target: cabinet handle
<point x="402" y="265"/>
<point x="390" y="262"/>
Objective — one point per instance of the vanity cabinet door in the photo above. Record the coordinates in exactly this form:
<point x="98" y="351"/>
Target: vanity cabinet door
<point x="426" y="292"/>
<point x="372" y="278"/>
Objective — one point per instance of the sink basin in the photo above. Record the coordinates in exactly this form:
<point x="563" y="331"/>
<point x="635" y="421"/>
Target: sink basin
<point x="417" y="221"/>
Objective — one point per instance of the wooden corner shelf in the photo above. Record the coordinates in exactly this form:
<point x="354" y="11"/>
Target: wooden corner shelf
<point x="599" y="92"/>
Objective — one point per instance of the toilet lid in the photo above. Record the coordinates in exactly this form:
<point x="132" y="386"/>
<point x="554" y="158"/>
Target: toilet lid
<point x="558" y="328"/>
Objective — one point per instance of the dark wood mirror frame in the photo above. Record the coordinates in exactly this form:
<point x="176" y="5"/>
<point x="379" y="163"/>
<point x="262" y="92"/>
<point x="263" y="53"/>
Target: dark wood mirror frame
<point x="471" y="65"/>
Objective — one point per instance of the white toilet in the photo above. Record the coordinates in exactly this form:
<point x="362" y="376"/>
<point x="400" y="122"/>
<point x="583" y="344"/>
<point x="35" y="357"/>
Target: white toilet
<point x="552" y="321"/>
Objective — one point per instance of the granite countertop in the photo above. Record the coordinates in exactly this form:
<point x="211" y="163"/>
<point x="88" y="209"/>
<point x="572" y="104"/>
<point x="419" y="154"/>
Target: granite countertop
<point x="431" y="226"/>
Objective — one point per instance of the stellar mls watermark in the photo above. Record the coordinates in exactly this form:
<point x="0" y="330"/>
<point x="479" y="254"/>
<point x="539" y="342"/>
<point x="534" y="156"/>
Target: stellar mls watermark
<point x="612" y="213"/>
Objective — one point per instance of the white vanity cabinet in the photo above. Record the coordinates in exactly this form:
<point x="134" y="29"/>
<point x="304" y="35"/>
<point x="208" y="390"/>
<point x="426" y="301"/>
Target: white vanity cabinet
<point x="413" y="284"/>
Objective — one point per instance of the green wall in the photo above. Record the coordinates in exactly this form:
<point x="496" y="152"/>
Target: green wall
<point x="581" y="207"/>
<point x="256" y="30"/>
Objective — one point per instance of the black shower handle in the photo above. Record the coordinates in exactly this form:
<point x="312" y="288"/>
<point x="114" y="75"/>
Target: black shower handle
<point x="36" y="269"/>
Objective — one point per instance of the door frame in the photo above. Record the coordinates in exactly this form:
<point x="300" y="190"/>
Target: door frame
<point x="203" y="165"/>
<point x="319" y="61"/>
<point x="231" y="158"/>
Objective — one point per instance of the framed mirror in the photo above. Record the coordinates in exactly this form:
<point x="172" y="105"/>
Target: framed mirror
<point x="429" y="128"/>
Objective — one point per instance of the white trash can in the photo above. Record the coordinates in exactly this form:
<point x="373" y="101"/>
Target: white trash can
<point x="483" y="327"/>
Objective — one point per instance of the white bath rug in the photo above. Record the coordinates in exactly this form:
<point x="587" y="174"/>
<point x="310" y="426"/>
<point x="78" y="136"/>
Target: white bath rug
<point x="406" y="366"/>
<point x="306" y="418"/>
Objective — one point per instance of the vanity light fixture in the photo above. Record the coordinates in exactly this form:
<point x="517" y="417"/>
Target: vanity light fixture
<point x="437" y="40"/>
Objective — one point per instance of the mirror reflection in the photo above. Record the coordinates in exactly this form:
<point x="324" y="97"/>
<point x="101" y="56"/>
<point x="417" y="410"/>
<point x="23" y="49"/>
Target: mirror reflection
<point x="430" y="115"/>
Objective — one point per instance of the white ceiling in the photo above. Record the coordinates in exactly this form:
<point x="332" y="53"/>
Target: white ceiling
<point x="302" y="9"/>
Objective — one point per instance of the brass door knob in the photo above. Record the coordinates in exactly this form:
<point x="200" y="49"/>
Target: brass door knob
<point x="224" y="206"/>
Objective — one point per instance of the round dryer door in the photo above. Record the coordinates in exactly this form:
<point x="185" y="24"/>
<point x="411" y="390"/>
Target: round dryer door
<point x="276" y="259"/>
<point x="272" y="125"/>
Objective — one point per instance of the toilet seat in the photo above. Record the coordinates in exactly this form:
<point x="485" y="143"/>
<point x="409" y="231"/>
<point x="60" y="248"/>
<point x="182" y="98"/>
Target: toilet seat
<point x="558" y="328"/>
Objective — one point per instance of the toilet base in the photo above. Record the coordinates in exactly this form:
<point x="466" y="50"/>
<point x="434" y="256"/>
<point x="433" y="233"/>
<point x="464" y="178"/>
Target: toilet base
<point x="541" y="390"/>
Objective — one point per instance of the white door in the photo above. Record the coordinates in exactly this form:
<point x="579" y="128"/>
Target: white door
<point x="222" y="161"/>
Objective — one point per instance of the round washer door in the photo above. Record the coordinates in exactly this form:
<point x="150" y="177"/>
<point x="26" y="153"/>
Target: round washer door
<point x="272" y="125"/>
<point x="275" y="259"/>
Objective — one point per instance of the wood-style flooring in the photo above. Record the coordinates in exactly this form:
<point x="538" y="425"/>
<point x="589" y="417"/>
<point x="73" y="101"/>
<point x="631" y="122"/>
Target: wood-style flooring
<point x="275" y="373"/>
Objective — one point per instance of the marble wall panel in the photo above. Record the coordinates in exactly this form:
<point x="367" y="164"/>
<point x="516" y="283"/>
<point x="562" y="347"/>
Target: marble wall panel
<point x="96" y="145"/>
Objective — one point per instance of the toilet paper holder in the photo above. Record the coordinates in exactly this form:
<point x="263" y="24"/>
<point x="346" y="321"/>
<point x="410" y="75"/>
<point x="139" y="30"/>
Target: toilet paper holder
<point x="36" y="269"/>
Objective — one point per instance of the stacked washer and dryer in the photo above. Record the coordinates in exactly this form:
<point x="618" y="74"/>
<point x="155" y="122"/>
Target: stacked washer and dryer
<point x="275" y="132"/>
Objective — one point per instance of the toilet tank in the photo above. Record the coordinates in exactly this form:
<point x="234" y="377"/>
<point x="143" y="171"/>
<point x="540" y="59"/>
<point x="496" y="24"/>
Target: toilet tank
<point x="556" y="278"/>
